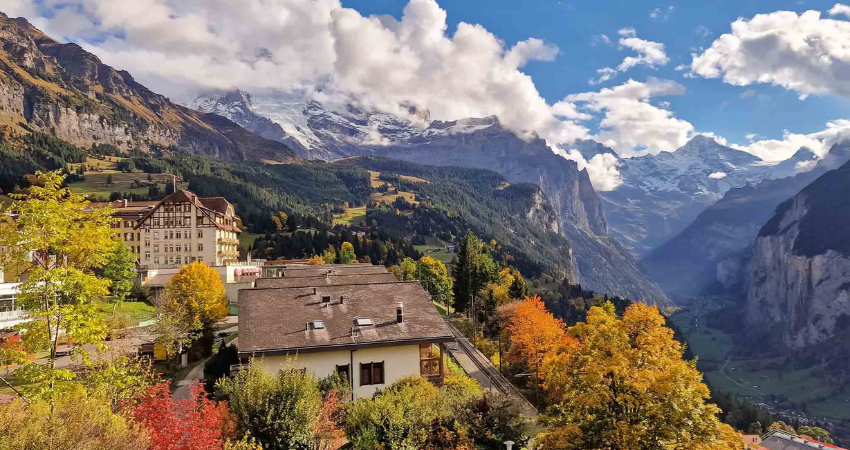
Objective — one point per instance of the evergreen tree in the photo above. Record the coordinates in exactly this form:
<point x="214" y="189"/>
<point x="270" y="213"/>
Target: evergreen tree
<point x="474" y="269"/>
<point x="519" y="288"/>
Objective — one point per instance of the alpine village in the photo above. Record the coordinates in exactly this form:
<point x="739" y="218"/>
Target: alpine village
<point x="266" y="250"/>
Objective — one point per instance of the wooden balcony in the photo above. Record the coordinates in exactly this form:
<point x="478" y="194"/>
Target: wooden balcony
<point x="431" y="365"/>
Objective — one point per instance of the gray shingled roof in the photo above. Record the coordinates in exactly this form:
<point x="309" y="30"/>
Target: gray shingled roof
<point x="315" y="271"/>
<point x="273" y="320"/>
<point x="322" y="280"/>
<point x="780" y="440"/>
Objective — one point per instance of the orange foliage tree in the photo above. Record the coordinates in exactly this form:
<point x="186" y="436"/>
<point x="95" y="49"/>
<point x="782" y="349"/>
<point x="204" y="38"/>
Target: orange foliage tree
<point x="534" y="332"/>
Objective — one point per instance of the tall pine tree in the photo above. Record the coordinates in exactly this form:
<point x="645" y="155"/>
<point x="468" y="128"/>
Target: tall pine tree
<point x="474" y="269"/>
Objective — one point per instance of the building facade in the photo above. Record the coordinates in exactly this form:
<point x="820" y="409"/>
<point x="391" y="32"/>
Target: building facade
<point x="177" y="230"/>
<point x="127" y="215"/>
<point x="184" y="228"/>
<point x="373" y="332"/>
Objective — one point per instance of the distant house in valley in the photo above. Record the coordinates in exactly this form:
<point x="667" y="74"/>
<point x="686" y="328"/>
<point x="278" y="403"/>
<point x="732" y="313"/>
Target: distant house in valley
<point x="373" y="332"/>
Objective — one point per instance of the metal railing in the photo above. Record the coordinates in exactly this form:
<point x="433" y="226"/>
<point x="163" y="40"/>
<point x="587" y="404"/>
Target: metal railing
<point x="496" y="379"/>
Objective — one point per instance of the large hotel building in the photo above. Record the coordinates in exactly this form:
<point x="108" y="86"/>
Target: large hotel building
<point x="179" y="229"/>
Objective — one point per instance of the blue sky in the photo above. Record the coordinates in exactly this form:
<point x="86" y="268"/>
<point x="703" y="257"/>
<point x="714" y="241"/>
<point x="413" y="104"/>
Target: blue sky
<point x="709" y="104"/>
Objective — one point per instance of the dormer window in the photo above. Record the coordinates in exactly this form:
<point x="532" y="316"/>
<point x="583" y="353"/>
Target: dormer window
<point x="316" y="325"/>
<point x="326" y="299"/>
<point x="363" y="321"/>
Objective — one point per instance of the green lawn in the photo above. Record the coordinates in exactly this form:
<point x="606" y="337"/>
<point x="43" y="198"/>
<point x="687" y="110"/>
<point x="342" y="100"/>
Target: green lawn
<point x="435" y="248"/>
<point x="137" y="311"/>
<point x="95" y="183"/>
<point x="352" y="216"/>
<point x="246" y="240"/>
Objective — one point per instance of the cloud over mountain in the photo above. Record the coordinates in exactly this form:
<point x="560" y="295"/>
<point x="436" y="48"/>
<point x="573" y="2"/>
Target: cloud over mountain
<point x="335" y="54"/>
<point x="630" y="121"/>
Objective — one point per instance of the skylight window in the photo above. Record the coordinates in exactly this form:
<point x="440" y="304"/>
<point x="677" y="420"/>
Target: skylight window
<point x="317" y="325"/>
<point x="364" y="321"/>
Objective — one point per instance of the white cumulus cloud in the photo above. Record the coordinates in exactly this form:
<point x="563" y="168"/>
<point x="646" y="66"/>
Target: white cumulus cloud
<point x="717" y="175"/>
<point x="839" y="9"/>
<point x="182" y="48"/>
<point x="605" y="74"/>
<point x="775" y="150"/>
<point x="651" y="54"/>
<point x="800" y="52"/>
<point x="631" y="122"/>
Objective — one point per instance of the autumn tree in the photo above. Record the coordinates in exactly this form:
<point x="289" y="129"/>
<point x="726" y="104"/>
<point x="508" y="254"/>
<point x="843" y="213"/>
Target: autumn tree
<point x="329" y="255"/>
<point x="406" y="270"/>
<point x="346" y="254"/>
<point x="198" y="290"/>
<point x="534" y="333"/>
<point x="434" y="277"/>
<point x="622" y="384"/>
<point x="193" y="424"/>
<point x="58" y="240"/>
<point x="316" y="261"/>
<point x="816" y="433"/>
<point x="75" y="420"/>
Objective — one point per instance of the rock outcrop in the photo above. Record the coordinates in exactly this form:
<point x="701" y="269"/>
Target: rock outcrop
<point x="798" y="274"/>
<point x="63" y="90"/>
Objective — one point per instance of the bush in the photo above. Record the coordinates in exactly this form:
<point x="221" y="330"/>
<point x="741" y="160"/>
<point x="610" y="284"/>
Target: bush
<point x="413" y="413"/>
<point x="492" y="419"/>
<point x="400" y="416"/>
<point x="280" y="412"/>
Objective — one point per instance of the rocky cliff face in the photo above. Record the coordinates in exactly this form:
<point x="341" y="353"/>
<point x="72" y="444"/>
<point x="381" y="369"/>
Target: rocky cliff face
<point x="798" y="275"/>
<point x="63" y="90"/>
<point x="709" y="249"/>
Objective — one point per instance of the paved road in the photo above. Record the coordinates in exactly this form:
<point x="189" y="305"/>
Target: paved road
<point x="196" y="374"/>
<point x="479" y="367"/>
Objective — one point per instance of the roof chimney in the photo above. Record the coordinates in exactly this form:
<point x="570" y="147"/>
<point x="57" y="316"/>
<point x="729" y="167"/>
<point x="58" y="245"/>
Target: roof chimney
<point x="399" y="312"/>
<point x="315" y="291"/>
<point x="341" y="299"/>
<point x="124" y="203"/>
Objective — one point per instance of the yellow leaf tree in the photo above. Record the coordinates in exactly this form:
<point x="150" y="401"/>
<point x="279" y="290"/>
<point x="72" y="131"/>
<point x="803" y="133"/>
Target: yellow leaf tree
<point x="57" y="240"/>
<point x="198" y="292"/>
<point x="622" y="384"/>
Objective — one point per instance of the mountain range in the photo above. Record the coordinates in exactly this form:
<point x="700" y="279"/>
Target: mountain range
<point x="707" y="254"/>
<point x="602" y="262"/>
<point x="62" y="90"/>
